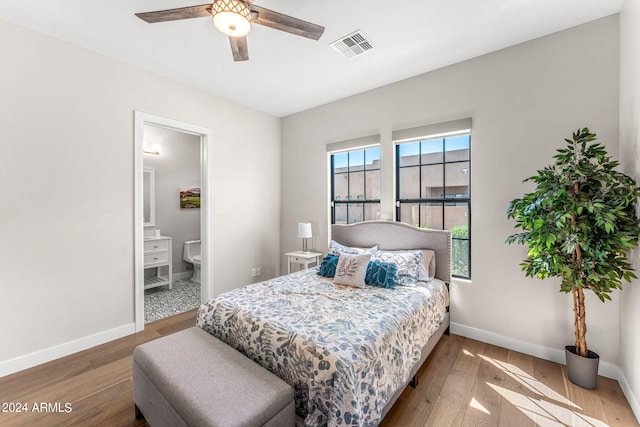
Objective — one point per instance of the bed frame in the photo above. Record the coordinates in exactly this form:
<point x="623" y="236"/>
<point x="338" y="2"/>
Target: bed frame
<point x="390" y="236"/>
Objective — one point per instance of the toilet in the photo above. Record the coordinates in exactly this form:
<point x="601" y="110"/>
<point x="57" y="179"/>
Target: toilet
<point x="191" y="254"/>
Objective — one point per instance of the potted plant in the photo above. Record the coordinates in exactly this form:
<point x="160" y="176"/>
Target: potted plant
<point x="578" y="225"/>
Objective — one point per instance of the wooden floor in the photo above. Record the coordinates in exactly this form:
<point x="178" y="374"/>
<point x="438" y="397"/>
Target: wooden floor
<point x="469" y="383"/>
<point x="463" y="383"/>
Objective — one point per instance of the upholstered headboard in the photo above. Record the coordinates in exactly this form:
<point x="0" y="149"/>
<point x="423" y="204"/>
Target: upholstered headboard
<point x="393" y="236"/>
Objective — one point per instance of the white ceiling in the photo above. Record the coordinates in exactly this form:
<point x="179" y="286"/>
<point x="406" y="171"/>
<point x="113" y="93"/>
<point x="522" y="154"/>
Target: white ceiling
<point x="286" y="74"/>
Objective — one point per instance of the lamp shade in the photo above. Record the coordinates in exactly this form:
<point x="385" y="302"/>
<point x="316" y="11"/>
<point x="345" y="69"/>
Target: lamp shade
<point x="304" y="230"/>
<point x="231" y="17"/>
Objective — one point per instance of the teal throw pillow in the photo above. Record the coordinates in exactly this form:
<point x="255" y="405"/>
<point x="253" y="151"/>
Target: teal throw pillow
<point x="328" y="266"/>
<point x="382" y="274"/>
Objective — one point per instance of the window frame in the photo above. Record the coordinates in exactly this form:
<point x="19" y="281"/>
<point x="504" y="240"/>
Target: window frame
<point x="444" y="199"/>
<point x="352" y="202"/>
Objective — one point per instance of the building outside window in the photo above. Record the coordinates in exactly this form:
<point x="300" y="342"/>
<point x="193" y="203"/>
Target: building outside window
<point x="355" y="185"/>
<point x="433" y="190"/>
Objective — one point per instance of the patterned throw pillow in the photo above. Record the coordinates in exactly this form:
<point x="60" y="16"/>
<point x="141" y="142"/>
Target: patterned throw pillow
<point x="408" y="263"/>
<point x="328" y="265"/>
<point x="381" y="274"/>
<point x="336" y="248"/>
<point x="351" y="270"/>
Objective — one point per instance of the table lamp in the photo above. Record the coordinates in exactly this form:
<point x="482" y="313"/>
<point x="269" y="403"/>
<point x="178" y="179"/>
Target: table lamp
<point x="304" y="233"/>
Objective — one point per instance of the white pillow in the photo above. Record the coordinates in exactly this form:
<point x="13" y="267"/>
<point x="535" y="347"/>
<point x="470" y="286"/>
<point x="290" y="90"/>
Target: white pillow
<point x="337" y="249"/>
<point x="351" y="270"/>
<point x="427" y="270"/>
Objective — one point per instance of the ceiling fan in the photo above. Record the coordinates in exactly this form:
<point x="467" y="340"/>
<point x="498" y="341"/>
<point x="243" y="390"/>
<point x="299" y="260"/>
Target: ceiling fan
<point x="234" y="18"/>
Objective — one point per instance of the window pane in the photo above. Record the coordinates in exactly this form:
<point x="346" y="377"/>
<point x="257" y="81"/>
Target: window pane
<point x="340" y="186"/>
<point x="431" y="151"/>
<point x="427" y="215"/>
<point x="408" y="154"/>
<point x="340" y="162"/>
<point x="432" y="181"/>
<point x="457" y="148"/>
<point x="457" y="179"/>
<point x="340" y="213"/>
<point x="460" y="257"/>
<point x="371" y="211"/>
<point x="356" y="160"/>
<point x="456" y="215"/>
<point x="407" y="212"/>
<point x="356" y="185"/>
<point x="431" y="215"/>
<point x="356" y="178"/>
<point x="372" y="158"/>
<point x="409" y="179"/>
<point x="356" y="213"/>
<point x="372" y="186"/>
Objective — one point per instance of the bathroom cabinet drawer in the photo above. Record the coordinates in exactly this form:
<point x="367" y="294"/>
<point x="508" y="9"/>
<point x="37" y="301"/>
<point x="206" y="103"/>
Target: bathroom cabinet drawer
<point x="156" y="245"/>
<point x="156" y="258"/>
<point x="157" y="255"/>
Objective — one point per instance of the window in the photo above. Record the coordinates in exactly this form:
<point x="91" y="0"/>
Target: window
<point x="433" y="190"/>
<point x="355" y="186"/>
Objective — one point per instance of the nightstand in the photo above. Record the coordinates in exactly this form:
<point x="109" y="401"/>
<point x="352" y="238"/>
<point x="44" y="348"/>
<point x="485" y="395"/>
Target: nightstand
<point x="302" y="258"/>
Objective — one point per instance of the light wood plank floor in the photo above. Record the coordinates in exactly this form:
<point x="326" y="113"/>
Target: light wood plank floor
<point x="463" y="383"/>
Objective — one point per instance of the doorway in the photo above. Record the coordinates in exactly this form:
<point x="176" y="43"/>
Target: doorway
<point x="146" y="127"/>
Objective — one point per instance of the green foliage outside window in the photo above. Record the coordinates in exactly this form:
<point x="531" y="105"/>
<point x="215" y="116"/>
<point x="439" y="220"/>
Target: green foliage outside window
<point x="460" y="250"/>
<point x="460" y="232"/>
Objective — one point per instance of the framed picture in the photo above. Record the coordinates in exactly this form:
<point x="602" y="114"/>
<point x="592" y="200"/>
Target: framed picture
<point x="189" y="198"/>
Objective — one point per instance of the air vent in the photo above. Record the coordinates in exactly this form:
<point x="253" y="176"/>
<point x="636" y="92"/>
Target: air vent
<point x="353" y="45"/>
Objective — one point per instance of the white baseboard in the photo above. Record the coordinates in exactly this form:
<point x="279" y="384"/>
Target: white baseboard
<point x="628" y="393"/>
<point x="605" y="369"/>
<point x="27" y="361"/>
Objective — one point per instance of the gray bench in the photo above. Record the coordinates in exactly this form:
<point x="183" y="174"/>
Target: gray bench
<point x="191" y="378"/>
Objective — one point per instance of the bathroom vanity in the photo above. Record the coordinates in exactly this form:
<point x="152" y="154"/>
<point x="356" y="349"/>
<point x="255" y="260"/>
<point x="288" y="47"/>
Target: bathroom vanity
<point x="157" y="254"/>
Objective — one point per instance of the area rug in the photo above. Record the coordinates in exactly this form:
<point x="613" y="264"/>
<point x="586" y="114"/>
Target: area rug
<point x="163" y="302"/>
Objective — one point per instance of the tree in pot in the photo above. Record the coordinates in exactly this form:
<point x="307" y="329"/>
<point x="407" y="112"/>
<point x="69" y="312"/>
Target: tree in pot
<point x="578" y="224"/>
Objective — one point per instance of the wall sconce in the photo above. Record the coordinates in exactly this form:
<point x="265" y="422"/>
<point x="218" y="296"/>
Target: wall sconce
<point x="154" y="149"/>
<point x="304" y="233"/>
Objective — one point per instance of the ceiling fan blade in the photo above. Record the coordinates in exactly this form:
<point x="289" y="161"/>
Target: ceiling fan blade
<point x="282" y="22"/>
<point x="176" y="14"/>
<point x="239" y="48"/>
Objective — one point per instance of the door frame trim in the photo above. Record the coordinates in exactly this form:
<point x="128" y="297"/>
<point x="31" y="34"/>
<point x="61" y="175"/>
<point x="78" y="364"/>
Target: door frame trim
<point x="206" y="205"/>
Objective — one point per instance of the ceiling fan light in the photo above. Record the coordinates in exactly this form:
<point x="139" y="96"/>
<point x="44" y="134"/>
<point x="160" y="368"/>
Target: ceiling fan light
<point x="231" y="17"/>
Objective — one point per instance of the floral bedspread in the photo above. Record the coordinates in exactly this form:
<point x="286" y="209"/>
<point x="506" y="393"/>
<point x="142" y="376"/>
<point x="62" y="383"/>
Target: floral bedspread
<point x="344" y="350"/>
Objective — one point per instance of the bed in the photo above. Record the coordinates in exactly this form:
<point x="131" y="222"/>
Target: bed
<point x="347" y="352"/>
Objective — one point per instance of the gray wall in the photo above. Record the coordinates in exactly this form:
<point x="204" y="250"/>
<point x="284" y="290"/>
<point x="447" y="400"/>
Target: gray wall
<point x="630" y="158"/>
<point x="524" y="101"/>
<point x="67" y="211"/>
<point x="177" y="167"/>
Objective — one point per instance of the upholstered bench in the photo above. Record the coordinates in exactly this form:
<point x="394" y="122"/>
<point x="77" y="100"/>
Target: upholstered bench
<point x="191" y="378"/>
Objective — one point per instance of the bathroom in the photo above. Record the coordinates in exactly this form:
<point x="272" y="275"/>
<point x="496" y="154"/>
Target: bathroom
<point x="171" y="190"/>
